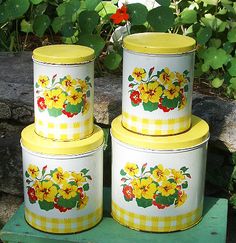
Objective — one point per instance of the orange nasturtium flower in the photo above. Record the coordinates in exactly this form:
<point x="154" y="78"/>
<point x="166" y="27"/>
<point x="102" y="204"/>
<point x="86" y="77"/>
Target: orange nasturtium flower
<point x="120" y="15"/>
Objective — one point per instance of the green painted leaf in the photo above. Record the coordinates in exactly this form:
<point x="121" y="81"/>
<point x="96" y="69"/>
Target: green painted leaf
<point x="73" y="108"/>
<point x="36" y="1"/>
<point x="84" y="171"/>
<point x="130" y="78"/>
<point x="188" y="16"/>
<point x="149" y="106"/>
<point x="55" y="112"/>
<point x="27" y="174"/>
<point x="170" y="103"/>
<point x="166" y="200"/>
<point x="203" y="35"/>
<point x="93" y="41"/>
<point x="144" y="203"/>
<point x="17" y="8"/>
<point x="44" y="205"/>
<point x="88" y="177"/>
<point x="88" y="20"/>
<point x="112" y="61"/>
<point x="122" y="172"/>
<point x="40" y="25"/>
<point x="184" y="168"/>
<point x="232" y="35"/>
<point x="26" y="26"/>
<point x="86" y="187"/>
<point x="161" y="18"/>
<point x="68" y="203"/>
<point x="88" y="93"/>
<point x="185" y="185"/>
<point x="164" y="2"/>
<point x="92" y="4"/>
<point x="153" y="168"/>
<point x="216" y="82"/>
<point x="231" y="67"/>
<point x="186" y="88"/>
<point x="137" y="13"/>
<point x="73" y="183"/>
<point x="143" y="167"/>
<point x="68" y="29"/>
<point x="133" y="104"/>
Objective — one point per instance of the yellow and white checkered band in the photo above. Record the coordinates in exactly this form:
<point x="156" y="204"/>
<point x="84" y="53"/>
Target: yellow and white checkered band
<point x="155" y="223"/>
<point x="64" y="131"/>
<point x="155" y="127"/>
<point x="66" y="225"/>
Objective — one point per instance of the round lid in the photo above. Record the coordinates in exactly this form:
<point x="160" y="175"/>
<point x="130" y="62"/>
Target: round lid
<point x="63" y="54"/>
<point x="197" y="134"/>
<point x="35" y="143"/>
<point x="159" y="43"/>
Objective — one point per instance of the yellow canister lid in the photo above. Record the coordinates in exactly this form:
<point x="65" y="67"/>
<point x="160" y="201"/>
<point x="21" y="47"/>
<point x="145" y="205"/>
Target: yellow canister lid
<point x="63" y="54"/>
<point x="35" y="143"/>
<point x="196" y="135"/>
<point x="159" y="43"/>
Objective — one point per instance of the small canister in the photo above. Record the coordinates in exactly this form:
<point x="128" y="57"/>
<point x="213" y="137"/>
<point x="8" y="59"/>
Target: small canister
<point x="157" y="83"/>
<point x="63" y="91"/>
<point x="158" y="182"/>
<point x="63" y="182"/>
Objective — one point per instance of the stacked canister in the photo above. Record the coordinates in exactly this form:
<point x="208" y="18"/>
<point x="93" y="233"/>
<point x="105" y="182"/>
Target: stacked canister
<point x="158" y="147"/>
<point x="62" y="150"/>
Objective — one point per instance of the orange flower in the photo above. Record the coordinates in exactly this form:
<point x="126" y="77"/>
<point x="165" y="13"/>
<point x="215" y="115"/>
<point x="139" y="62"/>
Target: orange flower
<point x="120" y="15"/>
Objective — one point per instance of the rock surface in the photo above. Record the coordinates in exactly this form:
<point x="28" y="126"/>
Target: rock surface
<point x="16" y="111"/>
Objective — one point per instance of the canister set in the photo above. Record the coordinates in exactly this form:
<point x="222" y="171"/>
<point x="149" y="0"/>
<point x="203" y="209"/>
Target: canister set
<point x="158" y="147"/>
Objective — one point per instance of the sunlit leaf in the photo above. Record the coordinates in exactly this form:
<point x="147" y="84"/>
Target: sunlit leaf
<point x="217" y="82"/>
<point x="232" y="35"/>
<point x="26" y="26"/>
<point x="231" y="67"/>
<point x="36" y="1"/>
<point x="91" y="4"/>
<point x="188" y="16"/>
<point x="105" y="8"/>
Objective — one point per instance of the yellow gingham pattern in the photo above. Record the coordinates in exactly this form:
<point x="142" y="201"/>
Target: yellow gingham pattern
<point x="155" y="223"/>
<point x="64" y="131"/>
<point x="155" y="127"/>
<point x="66" y="225"/>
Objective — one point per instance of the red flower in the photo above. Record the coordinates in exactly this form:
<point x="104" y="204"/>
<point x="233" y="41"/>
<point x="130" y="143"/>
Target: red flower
<point x="158" y="205"/>
<point x="41" y="103"/>
<point x="31" y="194"/>
<point x="60" y="208"/>
<point x="68" y="114"/>
<point x="128" y="193"/>
<point x="81" y="192"/>
<point x="164" y="108"/>
<point x="135" y="97"/>
<point x="120" y="15"/>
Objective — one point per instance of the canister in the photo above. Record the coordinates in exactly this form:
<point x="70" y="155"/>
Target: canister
<point x="63" y="182"/>
<point x="157" y="83"/>
<point x="158" y="181"/>
<point x="63" y="91"/>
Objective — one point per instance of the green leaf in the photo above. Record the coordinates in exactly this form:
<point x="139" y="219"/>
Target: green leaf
<point x="186" y="88"/>
<point x="112" y="61"/>
<point x="68" y="29"/>
<point x="166" y="200"/>
<point x="73" y="183"/>
<point x="164" y="2"/>
<point x="211" y="21"/>
<point x="27" y="174"/>
<point x="40" y="9"/>
<point x="40" y="25"/>
<point x="68" y="203"/>
<point x="130" y="78"/>
<point x="188" y="16"/>
<point x="137" y="13"/>
<point x="143" y="167"/>
<point x="232" y="200"/>
<point x="215" y="42"/>
<point x="35" y="2"/>
<point x="72" y="7"/>
<point x="203" y="35"/>
<point x="26" y="26"/>
<point x="205" y="67"/>
<point x="161" y="18"/>
<point x="55" y="112"/>
<point x="86" y="187"/>
<point x="105" y="8"/>
<point x="44" y="205"/>
<point x="184" y="168"/>
<point x="57" y="24"/>
<point x="216" y="82"/>
<point x="17" y="8"/>
<point x="122" y="172"/>
<point x="185" y="185"/>
<point x="228" y="47"/>
<point x="149" y="106"/>
<point x="73" y="108"/>
<point x="210" y="2"/>
<point x="84" y="171"/>
<point x="170" y="103"/>
<point x="231" y="67"/>
<point x="138" y="29"/>
<point x="144" y="203"/>
<point x="153" y="168"/>
<point x="88" y="20"/>
<point x="4" y="15"/>
<point x="92" y="4"/>
<point x="232" y="35"/>
<point x="93" y="41"/>
<point x="88" y="177"/>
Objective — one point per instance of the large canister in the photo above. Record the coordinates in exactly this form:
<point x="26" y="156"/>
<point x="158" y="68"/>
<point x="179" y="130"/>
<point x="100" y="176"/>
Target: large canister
<point x="63" y="91"/>
<point x="157" y="83"/>
<point x="63" y="182"/>
<point x="158" y="182"/>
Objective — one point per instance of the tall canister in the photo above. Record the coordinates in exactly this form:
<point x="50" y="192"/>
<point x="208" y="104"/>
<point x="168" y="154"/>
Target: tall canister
<point x="158" y="182"/>
<point x="63" y="182"/>
<point x="63" y="91"/>
<point x="157" y="83"/>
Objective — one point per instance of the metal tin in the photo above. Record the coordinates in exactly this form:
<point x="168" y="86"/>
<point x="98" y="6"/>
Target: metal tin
<point x="157" y="83"/>
<point x="63" y="91"/>
<point x="158" y="182"/>
<point x="63" y="182"/>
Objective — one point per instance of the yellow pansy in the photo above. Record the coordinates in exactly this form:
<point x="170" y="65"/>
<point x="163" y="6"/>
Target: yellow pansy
<point x="172" y="92"/>
<point x="181" y="79"/>
<point x="78" y="178"/>
<point x="46" y="191"/>
<point x="68" y="191"/>
<point x="74" y="97"/>
<point x="85" y="107"/>
<point x="43" y="81"/>
<point x="131" y="169"/>
<point x="68" y="83"/>
<point x="144" y="188"/>
<point x="55" y="98"/>
<point x="166" y="77"/>
<point x="160" y="173"/>
<point x="177" y="176"/>
<point x="139" y="74"/>
<point x="83" y="202"/>
<point x="60" y="177"/>
<point x="167" y="188"/>
<point x="181" y="199"/>
<point x="33" y="171"/>
<point x="83" y="85"/>
<point x="151" y="92"/>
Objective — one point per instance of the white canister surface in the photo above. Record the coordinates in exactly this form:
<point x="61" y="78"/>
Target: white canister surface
<point x="63" y="193"/>
<point x="157" y="190"/>
<point x="157" y="83"/>
<point x="63" y="91"/>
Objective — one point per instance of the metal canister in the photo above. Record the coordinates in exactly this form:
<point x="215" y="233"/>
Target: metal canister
<point x="63" y="91"/>
<point x="158" y="182"/>
<point x="157" y="83"/>
<point x="63" y="182"/>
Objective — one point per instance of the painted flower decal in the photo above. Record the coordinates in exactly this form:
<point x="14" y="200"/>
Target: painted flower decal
<point x="55" y="98"/>
<point x="135" y="98"/>
<point x="74" y="97"/>
<point x="33" y="171"/>
<point x="120" y="15"/>
<point x="151" y="92"/>
<point x="139" y="74"/>
<point x="68" y="83"/>
<point x="158" y="186"/>
<point x="43" y="81"/>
